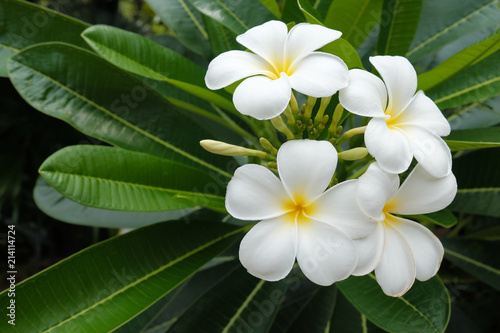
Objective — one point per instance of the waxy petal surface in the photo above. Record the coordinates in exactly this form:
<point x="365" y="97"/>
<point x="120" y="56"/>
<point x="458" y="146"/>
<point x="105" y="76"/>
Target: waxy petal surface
<point x="255" y="193"/>
<point x="306" y="167"/>
<point x="426" y="248"/>
<point x="268" y="250"/>
<point x="261" y="97"/>
<point x="365" y="94"/>
<point x="396" y="271"/>
<point x="319" y="75"/>
<point x="390" y="147"/>
<point x="370" y="250"/>
<point x="422" y="193"/>
<point x="400" y="79"/>
<point x="325" y="254"/>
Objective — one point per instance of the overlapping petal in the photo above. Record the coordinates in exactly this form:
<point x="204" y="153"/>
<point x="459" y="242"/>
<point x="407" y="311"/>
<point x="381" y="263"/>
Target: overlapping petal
<point x="396" y="271"/>
<point x="391" y="148"/>
<point x="370" y="250"/>
<point x="306" y="167"/>
<point x="338" y="207"/>
<point x="422" y="111"/>
<point x="232" y="66"/>
<point x="429" y="150"/>
<point x="400" y="79"/>
<point x="373" y="189"/>
<point x="305" y="38"/>
<point x="268" y="250"/>
<point x="267" y="40"/>
<point x="365" y="94"/>
<point x="255" y="193"/>
<point x="319" y="75"/>
<point x="426" y="248"/>
<point x="422" y="193"/>
<point x="324" y="253"/>
<point x="261" y="97"/>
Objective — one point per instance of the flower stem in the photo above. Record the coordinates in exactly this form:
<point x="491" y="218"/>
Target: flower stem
<point x="350" y="133"/>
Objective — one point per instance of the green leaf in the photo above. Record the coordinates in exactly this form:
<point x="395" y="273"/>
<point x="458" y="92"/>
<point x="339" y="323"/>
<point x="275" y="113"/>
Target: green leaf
<point x="445" y="21"/>
<point x="238" y="303"/>
<point x="101" y="100"/>
<point x="474" y="138"/>
<point x="478" y="258"/>
<point x="458" y="62"/>
<point x="486" y="234"/>
<point x="444" y="218"/>
<point x="23" y="24"/>
<point x="476" y="115"/>
<point x="479" y="183"/>
<point x="311" y="14"/>
<point x="291" y="12"/>
<point x="398" y="28"/>
<point x="476" y="83"/>
<point x="341" y="48"/>
<point x="60" y="208"/>
<point x="186" y="23"/>
<point x="117" y="179"/>
<point x="237" y="15"/>
<point x="221" y="38"/>
<point x="355" y="18"/>
<point x="106" y="285"/>
<point x="424" y="308"/>
<point x="139" y="55"/>
<point x="273" y="7"/>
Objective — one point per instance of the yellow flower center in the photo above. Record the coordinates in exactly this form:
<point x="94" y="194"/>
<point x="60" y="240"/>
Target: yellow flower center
<point x="298" y="210"/>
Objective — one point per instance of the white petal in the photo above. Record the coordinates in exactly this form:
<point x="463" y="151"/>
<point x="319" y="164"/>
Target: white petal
<point x="429" y="150"/>
<point x="365" y="95"/>
<point x="400" y="79"/>
<point x="268" y="250"/>
<point x="232" y="66"/>
<point x="422" y="193"/>
<point x="306" y="167"/>
<point x="426" y="248"/>
<point x="255" y="193"/>
<point x="338" y="207"/>
<point x="396" y="271"/>
<point x="391" y="148"/>
<point x="319" y="75"/>
<point x="370" y="250"/>
<point x="305" y="38"/>
<point x="374" y="188"/>
<point x="422" y="111"/>
<point x="267" y="40"/>
<point x="261" y="97"/>
<point x="325" y="254"/>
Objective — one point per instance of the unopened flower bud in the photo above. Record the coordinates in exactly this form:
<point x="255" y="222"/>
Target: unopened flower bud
<point x="226" y="149"/>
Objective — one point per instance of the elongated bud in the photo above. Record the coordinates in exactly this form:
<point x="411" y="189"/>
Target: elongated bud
<point x="280" y="125"/>
<point x="322" y="107"/>
<point x="311" y="101"/>
<point x="268" y="146"/>
<point x="226" y="149"/>
<point x="337" y="114"/>
<point x="353" y="154"/>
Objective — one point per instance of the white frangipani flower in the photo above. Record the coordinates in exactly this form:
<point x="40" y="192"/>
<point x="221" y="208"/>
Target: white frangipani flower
<point x="405" y="126"/>
<point x="281" y="61"/>
<point x="298" y="218"/>
<point x="401" y="250"/>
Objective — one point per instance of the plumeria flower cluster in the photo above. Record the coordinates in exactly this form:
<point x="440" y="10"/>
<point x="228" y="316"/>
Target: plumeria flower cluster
<point x="334" y="229"/>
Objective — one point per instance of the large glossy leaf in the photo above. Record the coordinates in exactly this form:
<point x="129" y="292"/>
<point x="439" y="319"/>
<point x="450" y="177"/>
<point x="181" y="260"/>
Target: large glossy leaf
<point x="221" y="38"/>
<point x="310" y="13"/>
<point x="345" y="51"/>
<point x="117" y="179"/>
<point x="23" y="24"/>
<point x="478" y="258"/>
<point x="142" y="56"/>
<point x="474" y="138"/>
<point x="101" y="100"/>
<point x="424" y="308"/>
<point x="237" y="15"/>
<point x="444" y="21"/>
<point x="238" y="303"/>
<point x="185" y="21"/>
<point x="398" y="26"/>
<point x="476" y="83"/>
<point x="478" y="183"/>
<point x="60" y="208"/>
<point x="444" y="218"/>
<point x="479" y="114"/>
<point x="106" y="285"/>
<point x="355" y="18"/>
<point x="458" y="62"/>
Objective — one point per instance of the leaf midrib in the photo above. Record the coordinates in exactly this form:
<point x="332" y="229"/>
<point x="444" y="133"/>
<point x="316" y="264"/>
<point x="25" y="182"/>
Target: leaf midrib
<point x="466" y="90"/>
<point x="145" y="277"/>
<point x="472" y="261"/>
